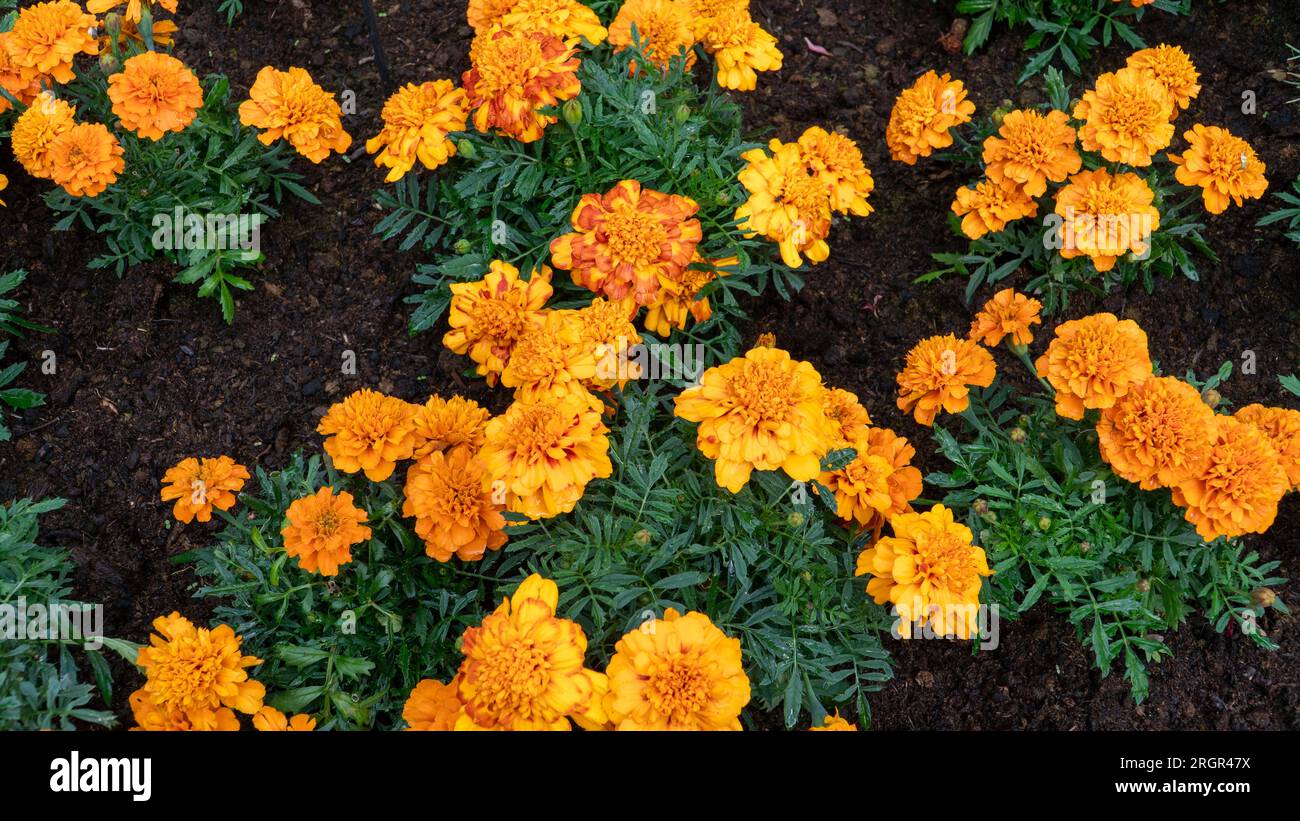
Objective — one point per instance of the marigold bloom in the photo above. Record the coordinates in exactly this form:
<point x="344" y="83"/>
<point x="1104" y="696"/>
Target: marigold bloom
<point x="1172" y="68"/>
<point x="450" y="497"/>
<point x="879" y="483"/>
<point x="1224" y="166"/>
<point x="514" y="74"/>
<point x="923" y="114"/>
<point x="679" y="298"/>
<point x="320" y="530"/>
<point x="289" y="105"/>
<point x="740" y="47"/>
<point x="133" y="11"/>
<point x="484" y="16"/>
<point x="1106" y="216"/>
<point x="442" y="424"/>
<point x="664" y="26"/>
<point x="677" y="673"/>
<point x="938" y="374"/>
<point x="1032" y="148"/>
<point x="545" y="453"/>
<point x="1126" y="117"/>
<point x="36" y="128"/>
<point x="487" y="317"/>
<point x="607" y="331"/>
<point x="837" y="161"/>
<point x="85" y="159"/>
<point x="13" y="79"/>
<point x="523" y="667"/>
<point x="369" y="432"/>
<point x="551" y="360"/>
<point x="761" y="411"/>
<point x="625" y="239"/>
<point x="432" y="706"/>
<point x="843" y="409"/>
<point x="1093" y="362"/>
<point x="704" y="14"/>
<point x="46" y="37"/>
<point x="1008" y="314"/>
<point x="1238" y="490"/>
<point x="194" y="678"/>
<point x="417" y="120"/>
<point x="990" y="205"/>
<point x="568" y="20"/>
<point x="788" y="203"/>
<point x="269" y="719"/>
<point x="930" y="570"/>
<point x="1158" y="434"/>
<point x="835" y="723"/>
<point x="153" y="94"/>
<point x="1281" y="426"/>
<point x="199" y="485"/>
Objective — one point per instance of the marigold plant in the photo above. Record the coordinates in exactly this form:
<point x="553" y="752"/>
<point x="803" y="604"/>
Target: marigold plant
<point x="321" y="529"/>
<point x="938" y="375"/>
<point x="489" y="316"/>
<point x="289" y="105"/>
<point x="450" y="497"/>
<point x="153" y="94"/>
<point x="417" y="122"/>
<point x="369" y="432"/>
<point x="1093" y="362"/>
<point x="924" y="114"/>
<point x="513" y="75"/>
<point x="201" y="485"/>
<point x="1009" y="315"/>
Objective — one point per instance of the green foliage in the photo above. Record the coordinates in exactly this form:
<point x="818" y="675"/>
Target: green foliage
<point x="13" y="323"/>
<point x="1291" y="215"/>
<point x="230" y="8"/>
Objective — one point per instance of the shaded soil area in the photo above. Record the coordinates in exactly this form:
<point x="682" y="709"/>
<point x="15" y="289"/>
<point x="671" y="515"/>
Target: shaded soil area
<point x="147" y="372"/>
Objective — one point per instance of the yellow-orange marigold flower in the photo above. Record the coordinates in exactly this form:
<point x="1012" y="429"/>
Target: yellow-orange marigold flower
<point x="545" y="453"/>
<point x="442" y="424"/>
<point x="1238" y="489"/>
<point x="551" y="360"/>
<point x="568" y="20"/>
<point x="676" y="673"/>
<point x="514" y="74"/>
<point x="663" y="26"/>
<point x="85" y="159"/>
<point x="432" y="706"/>
<point x="1223" y="165"/>
<point x="761" y="411"/>
<point x="1105" y="216"/>
<point x="36" y="128"/>
<point x="194" y="678"/>
<point x="788" y="203"/>
<point x="624" y="240"/>
<point x="837" y="161"/>
<point x="1126" y="117"/>
<point x="269" y="719"/>
<point x="1158" y="434"/>
<point x="153" y="94"/>
<point x="705" y="13"/>
<point x="990" y="205"/>
<point x="1031" y="148"/>
<point x="879" y="483"/>
<point x="1009" y="314"/>
<point x="938" y="375"/>
<point x="46" y="37"/>
<point x="1172" y="68"/>
<point x="320" y="530"/>
<point x="523" y="667"/>
<point x="835" y="723"/>
<point x="607" y="331"/>
<point x="844" y="410"/>
<point x="930" y="570"/>
<point x="1094" y="361"/>
<point x="200" y="485"/>
<point x="679" y="298"/>
<point x="369" y="432"/>
<point x="1281" y="426"/>
<point x="450" y="497"/>
<point x="417" y="120"/>
<point x="487" y="317"/>
<point x="484" y="16"/>
<point x="923" y="114"/>
<point x="740" y="47"/>
<point x="20" y="84"/>
<point x="289" y="105"/>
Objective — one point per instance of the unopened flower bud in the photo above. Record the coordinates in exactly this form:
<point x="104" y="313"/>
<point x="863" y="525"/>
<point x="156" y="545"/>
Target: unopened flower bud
<point x="795" y="519"/>
<point x="109" y="64"/>
<point x="572" y="113"/>
<point x="1143" y="586"/>
<point x="1084" y="547"/>
<point x="113" y="25"/>
<point x="683" y="113"/>
<point x="806" y="576"/>
<point x="1264" y="597"/>
<point x="1000" y="113"/>
<point x="642" y="537"/>
<point x="765" y="340"/>
<point x="1212" y="398"/>
<point x="1017" y="435"/>
<point x="462" y="246"/>
<point x="1044" y="524"/>
<point x="722" y="198"/>
<point x="990" y="517"/>
<point x="466" y="149"/>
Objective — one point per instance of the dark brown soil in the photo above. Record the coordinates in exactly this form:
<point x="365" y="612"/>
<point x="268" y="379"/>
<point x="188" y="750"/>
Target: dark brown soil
<point x="147" y="372"/>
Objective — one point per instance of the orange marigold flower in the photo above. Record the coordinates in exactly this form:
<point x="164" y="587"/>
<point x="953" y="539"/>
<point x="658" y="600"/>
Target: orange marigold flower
<point x="133" y="12"/>
<point x="194" y="678"/>
<point x="788" y="203"/>
<point x="1172" y="68"/>
<point x="289" y="105"/>
<point x="607" y="331"/>
<point x="1224" y="166"/>
<point x="625" y="239"/>
<point x="1093" y="362"/>
<point x="740" y="47"/>
<point x="568" y="20"/>
<point x="837" y="161"/>
<point x="843" y="409"/>
<point x="370" y="432"/>
<point x="484" y="16"/>
<point x="663" y="26"/>
<point x="1281" y="426"/>
<point x="834" y="723"/>
<point x="923" y="114"/>
<point x="36" y="128"/>
<point x="545" y="453"/>
<point x="1008" y="314"/>
<point x="990" y="205"/>
<point x="678" y="673"/>
<point x="679" y="298"/>
<point x="523" y="667"/>
<point x="269" y="719"/>
<point x="20" y="84"/>
<point x="153" y="94"/>
<point x="320" y="530"/>
<point x="938" y="374"/>
<point x="1106" y="216"/>
<point x="450" y="497"/>
<point x="85" y="159"/>
<point x="199" y="485"/>
<point x="417" y="120"/>
<point x="1238" y="489"/>
<point x="1032" y="148"/>
<point x="930" y="570"/>
<point x="514" y="74"/>
<point x="1126" y="117"/>
<point x="1158" y="434"/>
<point x="704" y="14"/>
<point x="46" y="37"/>
<point x="432" y="706"/>
<point x="880" y="482"/>
<point x="551" y="360"/>
<point x="487" y="317"/>
<point x="761" y="411"/>
<point x="442" y="424"/>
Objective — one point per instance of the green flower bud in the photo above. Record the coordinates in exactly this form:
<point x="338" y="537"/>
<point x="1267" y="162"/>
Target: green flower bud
<point x="683" y="113"/>
<point x="980" y="506"/>
<point x="462" y="246"/>
<point x="1143" y="586"/>
<point x="1264" y="597"/>
<point x="466" y="148"/>
<point x="109" y="64"/>
<point x="1212" y="398"/>
<point x="1044" y="524"/>
<point x="642" y="537"/>
<point x="723" y="197"/>
<point x="795" y="519"/>
<point x="572" y="113"/>
<point x="1017" y="435"/>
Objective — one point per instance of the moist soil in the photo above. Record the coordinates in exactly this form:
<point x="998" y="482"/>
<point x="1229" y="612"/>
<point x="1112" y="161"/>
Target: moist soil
<point x="147" y="373"/>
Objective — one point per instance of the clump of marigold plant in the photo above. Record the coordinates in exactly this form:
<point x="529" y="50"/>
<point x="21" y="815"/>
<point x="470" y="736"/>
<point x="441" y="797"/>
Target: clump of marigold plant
<point x="1126" y="116"/>
<point x="417" y="120"/>
<point x="1105" y="216"/>
<point x="788" y="203"/>
<point x="36" y="128"/>
<point x="938" y="375"/>
<point x="1158" y="434"/>
<point x="664" y="26"/>
<point x="85" y="159"/>
<point x="1238" y="490"/>
<point x="1281" y="426"/>
<point x="289" y="105"/>
<point x="740" y="47"/>
<point x="924" y="114"/>
<point x="551" y="360"/>
<point x="154" y="94"/>
<point x="442" y="424"/>
<point x="879" y="484"/>
<point x="47" y="37"/>
<point x="432" y="706"/>
<point x="1008" y="315"/>
<point x="450" y="497"/>
<point x="320" y="530"/>
<point x="1224" y="166"/>
<point x="369" y="432"/>
<point x="202" y="485"/>
<point x="1172" y="68"/>
<point x="515" y="74"/>
<point x="487" y="317"/>
<point x="837" y="161"/>
<point x="990" y="205"/>
<point x="1031" y="149"/>
<point x="1093" y="362"/>
<point x="269" y="719"/>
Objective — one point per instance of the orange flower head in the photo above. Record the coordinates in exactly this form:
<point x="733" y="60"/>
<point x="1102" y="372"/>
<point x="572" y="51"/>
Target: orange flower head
<point x="450" y="497"/>
<point x="740" y="47"/>
<point x="1126" y="117"/>
<point x="442" y="424"/>
<point x="568" y="20"/>
<point x="837" y="161"/>
<point x="19" y="83"/>
<point x="880" y="482"/>
<point x="133" y="12"/>
<point x="1224" y="166"/>
<point x="153" y="94"/>
<point x="1238" y="489"/>
<point x="835" y="723"/>
<point x="484" y="16"/>
<point x="552" y="360"/>
<point x="990" y="205"/>
<point x="1172" y="68"/>
<point x="938" y="375"/>
<point x="788" y="203"/>
<point x="844" y="410"/>
<point x="515" y="74"/>
<point x="1106" y="216"/>
<point x="269" y="719"/>
<point x="1032" y="148"/>
<point x="85" y="159"/>
<point x="1158" y="434"/>
<point x="432" y="706"/>
<point x="34" y="131"/>
<point x="289" y="105"/>
<point x="200" y="485"/>
<point x="1093" y="362"/>
<point x="46" y="37"/>
<point x="369" y="432"/>
<point x="320" y="530"/>
<point x="624" y="240"/>
<point x="1281" y="426"/>
<point x="607" y="331"/>
<point x="1008" y="315"/>
<point x="663" y="26"/>
<point x="923" y="115"/>
<point x="487" y="317"/>
<point x="679" y="299"/>
<point x="705" y="14"/>
<point x="417" y="120"/>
